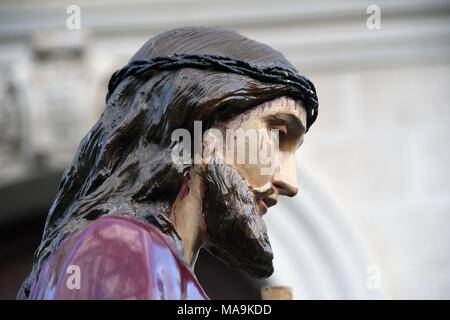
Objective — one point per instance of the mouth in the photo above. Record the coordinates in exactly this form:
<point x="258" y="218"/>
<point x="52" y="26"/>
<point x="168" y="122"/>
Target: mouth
<point x="270" y="202"/>
<point x="265" y="204"/>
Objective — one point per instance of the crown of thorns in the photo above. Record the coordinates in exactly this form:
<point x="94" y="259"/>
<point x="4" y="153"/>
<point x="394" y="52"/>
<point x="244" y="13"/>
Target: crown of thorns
<point x="146" y="68"/>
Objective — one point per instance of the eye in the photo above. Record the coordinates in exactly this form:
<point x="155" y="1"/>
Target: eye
<point x="282" y="131"/>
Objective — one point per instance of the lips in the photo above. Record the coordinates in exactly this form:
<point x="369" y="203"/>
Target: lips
<point x="266" y="203"/>
<point x="270" y="202"/>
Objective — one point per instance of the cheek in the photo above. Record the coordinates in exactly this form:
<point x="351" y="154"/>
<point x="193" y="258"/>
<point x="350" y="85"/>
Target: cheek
<point x="250" y="155"/>
<point x="263" y="151"/>
<point x="252" y="173"/>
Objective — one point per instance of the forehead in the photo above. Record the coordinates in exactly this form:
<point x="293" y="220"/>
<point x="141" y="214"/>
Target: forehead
<point x="279" y="106"/>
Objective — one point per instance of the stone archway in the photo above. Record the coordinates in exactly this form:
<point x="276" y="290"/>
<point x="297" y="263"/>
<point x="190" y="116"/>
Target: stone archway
<point x="316" y="250"/>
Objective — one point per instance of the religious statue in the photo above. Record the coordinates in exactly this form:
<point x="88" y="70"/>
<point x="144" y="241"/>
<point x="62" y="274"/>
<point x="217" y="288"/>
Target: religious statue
<point x="196" y="142"/>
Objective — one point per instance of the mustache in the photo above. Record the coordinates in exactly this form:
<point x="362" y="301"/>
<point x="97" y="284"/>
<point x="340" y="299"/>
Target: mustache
<point x="238" y="235"/>
<point x="264" y="191"/>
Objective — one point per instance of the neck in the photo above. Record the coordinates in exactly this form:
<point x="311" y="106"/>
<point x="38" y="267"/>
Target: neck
<point x="186" y="216"/>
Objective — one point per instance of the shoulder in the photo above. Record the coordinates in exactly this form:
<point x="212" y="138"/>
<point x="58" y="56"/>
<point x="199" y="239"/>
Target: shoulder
<point x="121" y="232"/>
<point x="113" y="258"/>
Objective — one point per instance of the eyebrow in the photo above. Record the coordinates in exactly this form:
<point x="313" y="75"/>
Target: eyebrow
<point x="293" y="123"/>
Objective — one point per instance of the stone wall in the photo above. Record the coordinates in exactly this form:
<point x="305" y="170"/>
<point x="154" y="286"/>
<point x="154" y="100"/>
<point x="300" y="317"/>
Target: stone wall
<point x="378" y="153"/>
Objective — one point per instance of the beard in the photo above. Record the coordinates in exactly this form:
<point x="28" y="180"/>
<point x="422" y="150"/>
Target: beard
<point x="237" y="233"/>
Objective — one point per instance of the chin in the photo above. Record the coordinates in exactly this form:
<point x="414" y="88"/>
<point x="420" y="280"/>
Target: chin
<point x="256" y="266"/>
<point x="236" y="230"/>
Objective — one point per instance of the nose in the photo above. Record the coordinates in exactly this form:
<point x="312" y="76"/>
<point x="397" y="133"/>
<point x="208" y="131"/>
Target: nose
<point x="285" y="179"/>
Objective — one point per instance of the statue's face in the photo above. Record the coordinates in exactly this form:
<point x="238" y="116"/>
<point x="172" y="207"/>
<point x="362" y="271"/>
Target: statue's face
<point x="289" y="118"/>
<point x="239" y="191"/>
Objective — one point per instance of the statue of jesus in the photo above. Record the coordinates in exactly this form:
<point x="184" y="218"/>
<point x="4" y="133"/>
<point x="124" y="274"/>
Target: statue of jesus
<point x="196" y="142"/>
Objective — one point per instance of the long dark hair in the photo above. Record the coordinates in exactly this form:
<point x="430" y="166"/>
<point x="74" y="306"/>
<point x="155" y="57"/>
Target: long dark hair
<point x="123" y="165"/>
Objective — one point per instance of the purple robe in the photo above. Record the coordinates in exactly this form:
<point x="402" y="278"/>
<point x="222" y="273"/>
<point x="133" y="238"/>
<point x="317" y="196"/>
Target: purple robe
<point x="116" y="257"/>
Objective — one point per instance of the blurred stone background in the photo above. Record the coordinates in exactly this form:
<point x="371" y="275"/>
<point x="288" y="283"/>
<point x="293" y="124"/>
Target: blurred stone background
<point x="373" y="214"/>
